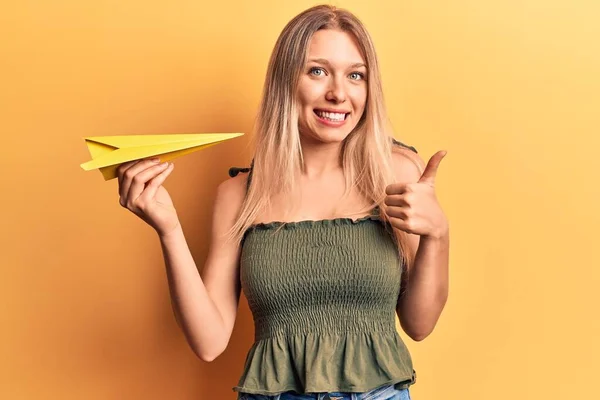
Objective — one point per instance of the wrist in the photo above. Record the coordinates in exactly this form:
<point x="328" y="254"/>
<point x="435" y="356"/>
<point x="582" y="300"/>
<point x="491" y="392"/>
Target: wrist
<point x="440" y="235"/>
<point x="171" y="234"/>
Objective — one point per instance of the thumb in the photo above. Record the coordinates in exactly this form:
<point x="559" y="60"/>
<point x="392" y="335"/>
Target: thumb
<point x="430" y="172"/>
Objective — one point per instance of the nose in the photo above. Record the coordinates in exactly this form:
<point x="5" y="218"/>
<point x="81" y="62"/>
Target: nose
<point x="336" y="91"/>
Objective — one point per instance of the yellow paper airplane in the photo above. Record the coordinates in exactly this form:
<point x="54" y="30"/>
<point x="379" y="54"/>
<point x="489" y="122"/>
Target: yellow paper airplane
<point x="108" y="152"/>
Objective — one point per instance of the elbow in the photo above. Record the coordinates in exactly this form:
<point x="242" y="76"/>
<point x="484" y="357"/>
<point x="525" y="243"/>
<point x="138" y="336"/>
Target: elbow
<point x="417" y="332"/>
<point x="418" y="336"/>
<point x="209" y="355"/>
<point x="420" y="328"/>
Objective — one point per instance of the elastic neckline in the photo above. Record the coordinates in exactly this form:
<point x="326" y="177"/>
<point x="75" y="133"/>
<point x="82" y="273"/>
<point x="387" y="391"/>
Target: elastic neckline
<point x="316" y="222"/>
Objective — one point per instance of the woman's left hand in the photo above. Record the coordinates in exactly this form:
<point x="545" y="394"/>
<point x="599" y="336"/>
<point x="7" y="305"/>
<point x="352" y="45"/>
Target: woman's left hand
<point x="414" y="208"/>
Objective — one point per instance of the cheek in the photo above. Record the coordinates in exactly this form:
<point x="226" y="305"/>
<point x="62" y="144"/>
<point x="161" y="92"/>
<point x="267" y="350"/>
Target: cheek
<point x="309" y="92"/>
<point x="359" y="98"/>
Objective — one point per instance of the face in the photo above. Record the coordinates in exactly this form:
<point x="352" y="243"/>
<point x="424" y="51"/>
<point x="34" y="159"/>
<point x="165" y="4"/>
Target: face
<point x="332" y="90"/>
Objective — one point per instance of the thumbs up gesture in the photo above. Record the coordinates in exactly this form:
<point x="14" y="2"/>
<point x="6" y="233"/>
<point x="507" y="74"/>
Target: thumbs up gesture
<point x="413" y="207"/>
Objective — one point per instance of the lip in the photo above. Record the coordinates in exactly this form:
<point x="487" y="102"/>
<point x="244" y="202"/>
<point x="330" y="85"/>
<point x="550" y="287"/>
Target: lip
<point x="326" y="122"/>
<point x="331" y="110"/>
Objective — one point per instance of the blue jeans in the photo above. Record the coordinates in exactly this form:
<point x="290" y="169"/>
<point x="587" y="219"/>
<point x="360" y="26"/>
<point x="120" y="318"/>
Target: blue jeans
<point x="387" y="392"/>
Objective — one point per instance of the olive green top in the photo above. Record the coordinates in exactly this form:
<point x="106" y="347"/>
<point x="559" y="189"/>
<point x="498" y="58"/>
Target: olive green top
<point x="323" y="297"/>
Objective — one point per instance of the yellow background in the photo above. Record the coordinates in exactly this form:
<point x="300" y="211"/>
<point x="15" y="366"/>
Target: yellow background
<point x="510" y="88"/>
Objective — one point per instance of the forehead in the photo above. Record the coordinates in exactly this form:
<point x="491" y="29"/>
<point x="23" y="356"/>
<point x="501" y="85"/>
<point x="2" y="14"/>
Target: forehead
<point x="336" y="46"/>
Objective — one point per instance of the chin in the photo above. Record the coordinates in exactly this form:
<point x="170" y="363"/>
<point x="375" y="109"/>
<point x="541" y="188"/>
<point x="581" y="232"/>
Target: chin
<point x="324" y="136"/>
<point x="328" y="135"/>
<point x="334" y="137"/>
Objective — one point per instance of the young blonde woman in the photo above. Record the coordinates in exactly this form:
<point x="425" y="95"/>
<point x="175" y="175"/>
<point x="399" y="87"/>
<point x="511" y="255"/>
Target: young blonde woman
<point x="334" y="229"/>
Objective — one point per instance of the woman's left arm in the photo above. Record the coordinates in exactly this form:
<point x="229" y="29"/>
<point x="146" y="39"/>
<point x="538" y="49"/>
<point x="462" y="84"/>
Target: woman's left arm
<point x="412" y="207"/>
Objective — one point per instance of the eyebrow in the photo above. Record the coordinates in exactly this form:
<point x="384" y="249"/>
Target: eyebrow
<point x="325" y="62"/>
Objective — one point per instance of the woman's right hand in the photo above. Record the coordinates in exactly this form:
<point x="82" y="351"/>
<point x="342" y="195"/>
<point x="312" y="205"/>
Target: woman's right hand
<point x="141" y="192"/>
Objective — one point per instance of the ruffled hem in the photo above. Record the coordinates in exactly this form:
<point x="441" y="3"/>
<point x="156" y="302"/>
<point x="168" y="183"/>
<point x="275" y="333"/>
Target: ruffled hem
<point x="353" y="362"/>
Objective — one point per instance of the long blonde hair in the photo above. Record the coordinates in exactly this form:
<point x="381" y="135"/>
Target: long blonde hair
<point x="366" y="153"/>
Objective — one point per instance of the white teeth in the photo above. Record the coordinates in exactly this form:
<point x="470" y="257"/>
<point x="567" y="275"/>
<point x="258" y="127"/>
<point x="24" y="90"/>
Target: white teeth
<point x="331" y="116"/>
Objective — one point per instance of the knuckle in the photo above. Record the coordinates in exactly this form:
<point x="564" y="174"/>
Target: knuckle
<point x="154" y="183"/>
<point x="141" y="205"/>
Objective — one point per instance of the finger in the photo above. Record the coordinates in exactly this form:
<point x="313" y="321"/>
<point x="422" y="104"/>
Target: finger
<point x="122" y="168"/>
<point x="130" y="173"/>
<point x="158" y="180"/>
<point x="395" y="188"/>
<point x="121" y="172"/>
<point x="397" y="212"/>
<point x="138" y="183"/>
<point x="396" y="200"/>
<point x="401" y="224"/>
<point x="430" y="172"/>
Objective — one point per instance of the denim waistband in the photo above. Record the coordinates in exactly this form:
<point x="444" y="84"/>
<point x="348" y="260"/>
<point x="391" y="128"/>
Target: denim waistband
<point x="386" y="392"/>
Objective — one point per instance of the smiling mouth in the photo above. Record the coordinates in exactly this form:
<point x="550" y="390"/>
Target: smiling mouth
<point x="331" y="116"/>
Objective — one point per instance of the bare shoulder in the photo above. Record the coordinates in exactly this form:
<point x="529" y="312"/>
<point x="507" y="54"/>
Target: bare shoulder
<point x="408" y="166"/>
<point x="228" y="202"/>
<point x="229" y="199"/>
<point x="233" y="188"/>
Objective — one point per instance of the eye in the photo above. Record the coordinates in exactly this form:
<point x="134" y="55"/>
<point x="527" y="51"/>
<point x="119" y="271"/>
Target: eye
<point x="357" y="76"/>
<point x="316" y="71"/>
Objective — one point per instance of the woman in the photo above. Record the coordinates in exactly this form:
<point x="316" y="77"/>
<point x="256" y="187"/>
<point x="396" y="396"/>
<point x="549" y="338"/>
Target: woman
<point x="335" y="228"/>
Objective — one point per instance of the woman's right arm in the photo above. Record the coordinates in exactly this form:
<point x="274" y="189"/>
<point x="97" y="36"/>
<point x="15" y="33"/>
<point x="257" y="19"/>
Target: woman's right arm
<point x="205" y="306"/>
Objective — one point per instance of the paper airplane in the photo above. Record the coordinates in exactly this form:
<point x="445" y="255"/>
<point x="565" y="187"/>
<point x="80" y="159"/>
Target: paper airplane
<point x="108" y="152"/>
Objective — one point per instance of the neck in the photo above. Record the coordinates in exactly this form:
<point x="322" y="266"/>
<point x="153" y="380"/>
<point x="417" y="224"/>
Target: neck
<point x="320" y="159"/>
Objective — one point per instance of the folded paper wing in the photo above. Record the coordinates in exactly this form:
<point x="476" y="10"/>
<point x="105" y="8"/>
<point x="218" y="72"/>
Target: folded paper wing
<point x="108" y="152"/>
